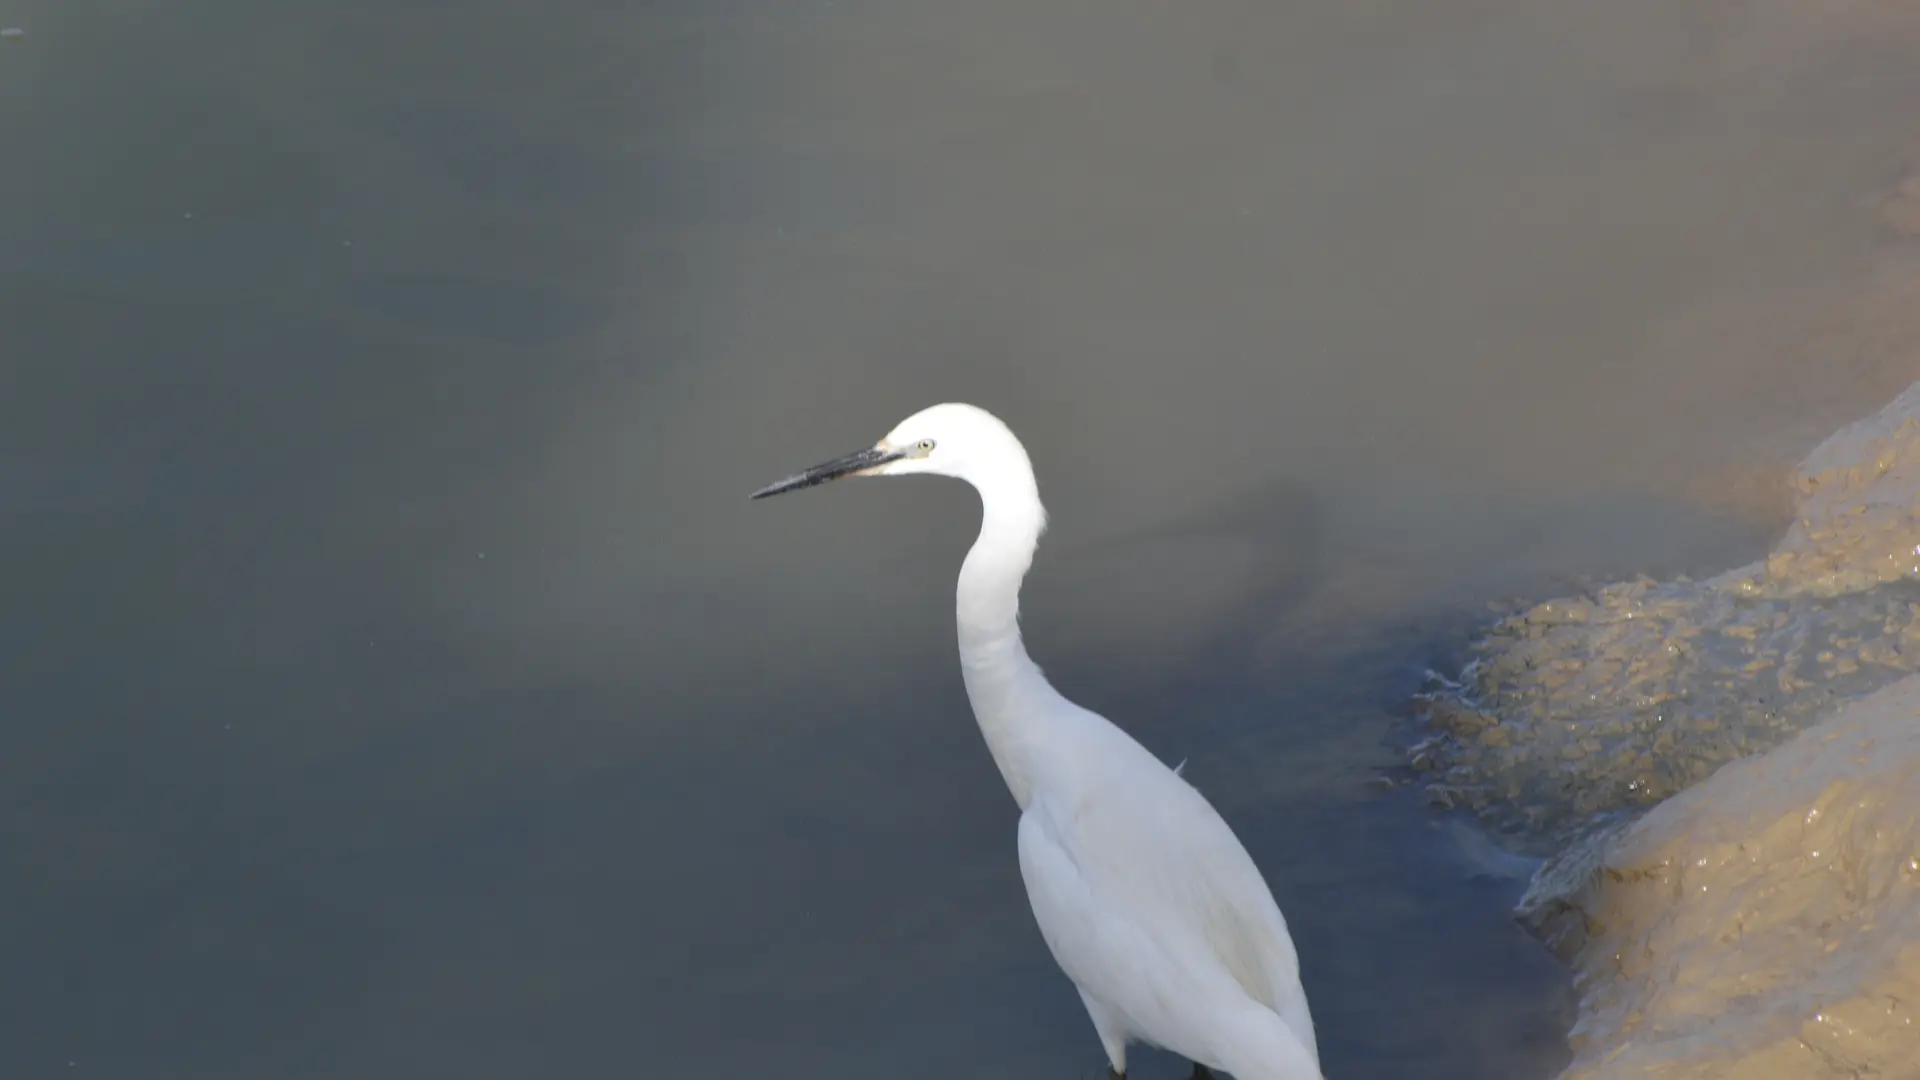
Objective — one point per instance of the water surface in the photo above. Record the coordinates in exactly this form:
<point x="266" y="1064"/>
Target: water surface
<point x="397" y="683"/>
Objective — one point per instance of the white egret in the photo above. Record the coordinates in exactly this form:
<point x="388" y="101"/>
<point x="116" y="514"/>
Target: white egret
<point x="1146" y="898"/>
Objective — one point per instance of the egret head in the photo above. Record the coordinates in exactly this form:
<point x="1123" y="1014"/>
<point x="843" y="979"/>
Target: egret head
<point x="948" y="440"/>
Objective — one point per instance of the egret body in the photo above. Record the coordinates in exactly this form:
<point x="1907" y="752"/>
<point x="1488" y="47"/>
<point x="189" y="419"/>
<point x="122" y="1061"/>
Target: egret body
<point x="1146" y="898"/>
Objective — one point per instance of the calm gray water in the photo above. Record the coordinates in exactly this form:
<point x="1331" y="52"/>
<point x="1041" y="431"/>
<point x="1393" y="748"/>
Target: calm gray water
<point x="396" y="682"/>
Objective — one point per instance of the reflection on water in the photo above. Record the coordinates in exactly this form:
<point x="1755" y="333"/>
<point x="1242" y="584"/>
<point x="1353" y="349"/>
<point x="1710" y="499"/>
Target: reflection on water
<point x="397" y="681"/>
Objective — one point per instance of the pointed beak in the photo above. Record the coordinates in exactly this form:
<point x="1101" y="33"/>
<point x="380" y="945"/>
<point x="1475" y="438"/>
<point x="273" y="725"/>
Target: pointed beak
<point x="853" y="464"/>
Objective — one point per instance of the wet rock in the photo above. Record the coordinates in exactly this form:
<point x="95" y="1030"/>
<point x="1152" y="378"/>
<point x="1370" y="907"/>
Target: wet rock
<point x="1551" y="907"/>
<point x="1586" y="706"/>
<point x="1765" y="923"/>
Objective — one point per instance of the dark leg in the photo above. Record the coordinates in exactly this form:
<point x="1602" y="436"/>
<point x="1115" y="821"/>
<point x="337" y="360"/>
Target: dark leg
<point x="1201" y="1072"/>
<point x="1111" y="1075"/>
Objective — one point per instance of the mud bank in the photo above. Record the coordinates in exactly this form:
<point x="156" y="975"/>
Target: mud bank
<point x="1762" y="919"/>
<point x="1764" y="924"/>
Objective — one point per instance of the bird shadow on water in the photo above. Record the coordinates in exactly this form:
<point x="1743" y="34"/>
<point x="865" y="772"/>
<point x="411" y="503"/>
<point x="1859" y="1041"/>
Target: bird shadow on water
<point x="1191" y="586"/>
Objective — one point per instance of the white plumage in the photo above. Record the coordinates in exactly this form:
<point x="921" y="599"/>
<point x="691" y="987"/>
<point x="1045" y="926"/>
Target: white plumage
<point x="1146" y="898"/>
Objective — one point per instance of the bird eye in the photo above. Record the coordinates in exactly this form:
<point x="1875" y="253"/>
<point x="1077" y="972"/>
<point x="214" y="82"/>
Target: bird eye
<point x="925" y="446"/>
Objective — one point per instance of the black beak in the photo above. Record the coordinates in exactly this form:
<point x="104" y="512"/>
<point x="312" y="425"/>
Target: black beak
<point x="858" y="461"/>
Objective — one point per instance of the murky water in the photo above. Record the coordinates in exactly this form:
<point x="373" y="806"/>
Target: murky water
<point x="397" y="683"/>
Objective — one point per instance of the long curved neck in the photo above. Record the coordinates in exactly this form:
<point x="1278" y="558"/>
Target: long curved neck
<point x="1008" y="693"/>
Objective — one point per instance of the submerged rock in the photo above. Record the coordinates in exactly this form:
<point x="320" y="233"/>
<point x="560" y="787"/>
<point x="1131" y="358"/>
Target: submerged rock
<point x="1599" y="705"/>
<point x="1765" y="923"/>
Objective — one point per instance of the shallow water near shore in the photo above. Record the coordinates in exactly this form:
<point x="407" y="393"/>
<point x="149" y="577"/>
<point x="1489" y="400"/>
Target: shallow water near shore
<point x="397" y="681"/>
